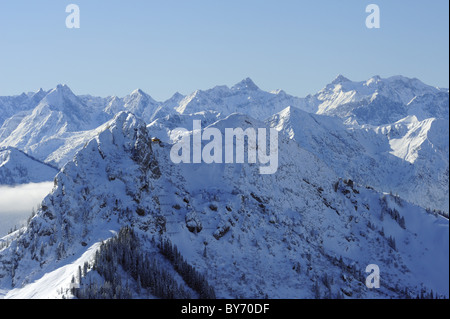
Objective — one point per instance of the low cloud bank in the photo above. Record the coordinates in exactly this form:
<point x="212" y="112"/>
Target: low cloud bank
<point x="17" y="202"/>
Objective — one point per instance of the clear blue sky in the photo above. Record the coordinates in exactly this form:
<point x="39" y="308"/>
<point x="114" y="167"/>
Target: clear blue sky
<point x="168" y="46"/>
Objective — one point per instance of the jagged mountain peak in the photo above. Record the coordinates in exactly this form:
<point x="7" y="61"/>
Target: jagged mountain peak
<point x="61" y="90"/>
<point x="177" y="96"/>
<point x="62" y="86"/>
<point x="39" y="95"/>
<point x="246" y="84"/>
<point x="141" y="104"/>
<point x="126" y="121"/>
<point x="289" y="113"/>
<point x="174" y="100"/>
<point x="340" y="79"/>
<point x="139" y="92"/>
<point x="58" y="96"/>
<point x="139" y="95"/>
<point x="341" y="98"/>
<point x="377" y="82"/>
<point x="244" y="97"/>
<point x="373" y="80"/>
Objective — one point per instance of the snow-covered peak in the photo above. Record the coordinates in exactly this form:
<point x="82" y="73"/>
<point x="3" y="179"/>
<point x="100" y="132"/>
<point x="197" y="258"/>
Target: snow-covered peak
<point x="63" y="87"/>
<point x="115" y="105"/>
<point x="174" y="101"/>
<point x="373" y="80"/>
<point x="340" y="79"/>
<point x="125" y="122"/>
<point x="246" y="84"/>
<point x="63" y="99"/>
<point x="177" y="96"/>
<point x="60" y="90"/>
<point x="141" y="104"/>
<point x="138" y="92"/>
<point x="40" y="94"/>
<point x="138" y="96"/>
<point x="344" y="98"/>
<point x="245" y="97"/>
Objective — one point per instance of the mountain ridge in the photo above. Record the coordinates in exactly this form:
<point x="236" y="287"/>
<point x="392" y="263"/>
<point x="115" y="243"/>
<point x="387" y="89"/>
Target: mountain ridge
<point x="229" y="222"/>
<point x="53" y="134"/>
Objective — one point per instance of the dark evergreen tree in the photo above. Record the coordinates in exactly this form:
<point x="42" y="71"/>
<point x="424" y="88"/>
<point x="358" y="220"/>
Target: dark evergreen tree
<point x="122" y="252"/>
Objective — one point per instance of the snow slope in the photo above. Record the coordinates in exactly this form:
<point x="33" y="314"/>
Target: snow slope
<point x="17" y="167"/>
<point x="408" y="157"/>
<point x="49" y="286"/>
<point x="345" y="98"/>
<point x="11" y="105"/>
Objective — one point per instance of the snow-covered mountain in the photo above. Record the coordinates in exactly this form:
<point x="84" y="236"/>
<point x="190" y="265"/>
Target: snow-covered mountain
<point x="244" y="97"/>
<point x="58" y="117"/>
<point x="405" y="114"/>
<point x="12" y="105"/>
<point x="409" y="157"/>
<point x="17" y="167"/>
<point x="300" y="233"/>
<point x="429" y="106"/>
<point x="57" y="125"/>
<point x="307" y="231"/>
<point x="376" y="101"/>
<point x="425" y="146"/>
